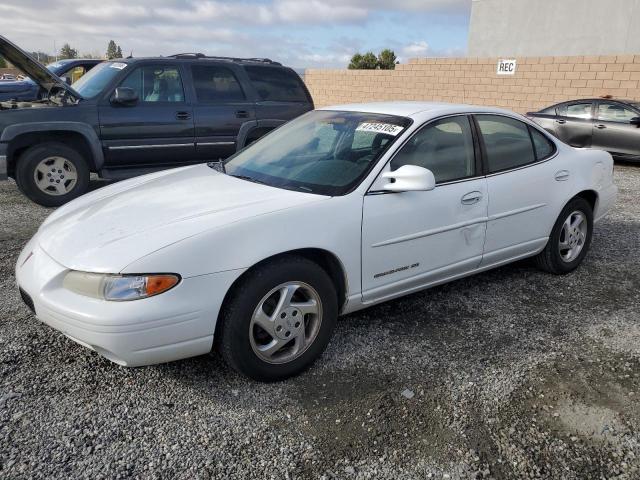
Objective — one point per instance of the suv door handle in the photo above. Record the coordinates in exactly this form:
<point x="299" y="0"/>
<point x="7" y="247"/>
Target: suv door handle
<point x="183" y="115"/>
<point x="561" y="122"/>
<point x="242" y="114"/>
<point x="471" y="198"/>
<point x="601" y="126"/>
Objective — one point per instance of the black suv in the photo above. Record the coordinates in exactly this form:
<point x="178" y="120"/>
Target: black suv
<point x="133" y="116"/>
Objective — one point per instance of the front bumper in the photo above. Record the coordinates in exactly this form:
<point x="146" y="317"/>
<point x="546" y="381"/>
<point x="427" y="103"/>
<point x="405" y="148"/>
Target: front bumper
<point x="177" y="324"/>
<point x="3" y="161"/>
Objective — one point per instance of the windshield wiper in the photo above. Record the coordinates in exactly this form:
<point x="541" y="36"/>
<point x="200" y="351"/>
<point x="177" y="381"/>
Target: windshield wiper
<point x="249" y="179"/>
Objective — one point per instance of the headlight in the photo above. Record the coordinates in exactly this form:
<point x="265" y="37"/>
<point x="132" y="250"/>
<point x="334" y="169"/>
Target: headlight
<point x="119" y="288"/>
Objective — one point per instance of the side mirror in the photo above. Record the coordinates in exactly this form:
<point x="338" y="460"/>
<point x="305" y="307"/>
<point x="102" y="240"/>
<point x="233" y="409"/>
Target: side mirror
<point x="409" y="178"/>
<point x="124" y="96"/>
<point x="635" y="121"/>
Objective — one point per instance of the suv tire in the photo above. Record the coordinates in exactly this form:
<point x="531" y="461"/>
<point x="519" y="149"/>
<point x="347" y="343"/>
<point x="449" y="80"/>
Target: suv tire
<point x="296" y="301"/>
<point x="51" y="174"/>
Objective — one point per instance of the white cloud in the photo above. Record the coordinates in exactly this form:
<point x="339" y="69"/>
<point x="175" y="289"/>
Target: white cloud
<point x="415" y="49"/>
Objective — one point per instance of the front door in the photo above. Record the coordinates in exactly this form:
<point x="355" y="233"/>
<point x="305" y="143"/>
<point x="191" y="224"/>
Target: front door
<point x="222" y="108"/>
<point x="157" y="130"/>
<point x="412" y="239"/>
<point x="613" y="131"/>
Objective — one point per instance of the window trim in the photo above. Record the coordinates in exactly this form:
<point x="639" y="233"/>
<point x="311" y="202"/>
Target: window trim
<point x="197" y="101"/>
<point x="485" y="158"/>
<point x="142" y="103"/>
<point x="477" y="163"/>
<point x="615" y="102"/>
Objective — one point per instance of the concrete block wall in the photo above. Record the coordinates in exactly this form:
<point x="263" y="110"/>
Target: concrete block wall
<point x="538" y="81"/>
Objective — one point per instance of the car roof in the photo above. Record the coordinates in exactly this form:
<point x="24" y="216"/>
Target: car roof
<point x="409" y="109"/>
<point x="202" y="58"/>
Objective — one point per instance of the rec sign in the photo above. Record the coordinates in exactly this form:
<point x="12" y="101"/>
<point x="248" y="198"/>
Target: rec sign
<point x="506" y="67"/>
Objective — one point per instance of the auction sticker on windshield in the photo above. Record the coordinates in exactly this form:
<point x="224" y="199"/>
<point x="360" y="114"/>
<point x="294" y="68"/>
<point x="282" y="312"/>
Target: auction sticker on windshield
<point x="378" y="127"/>
<point x="118" y="65"/>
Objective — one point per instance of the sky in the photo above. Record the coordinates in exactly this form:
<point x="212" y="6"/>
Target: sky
<point x="299" y="33"/>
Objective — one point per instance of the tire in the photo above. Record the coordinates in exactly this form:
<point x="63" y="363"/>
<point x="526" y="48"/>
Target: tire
<point x="35" y="163"/>
<point x="559" y="262"/>
<point x="243" y="342"/>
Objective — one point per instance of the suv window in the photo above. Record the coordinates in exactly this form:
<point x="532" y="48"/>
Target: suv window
<point x="578" y="110"/>
<point x="614" y="112"/>
<point x="277" y="84"/>
<point x="445" y="147"/>
<point x="215" y="84"/>
<point x="507" y="142"/>
<point x="156" y="84"/>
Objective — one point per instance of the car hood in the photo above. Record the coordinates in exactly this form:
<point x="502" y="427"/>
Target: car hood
<point x="32" y="68"/>
<point x="112" y="227"/>
<point x="16" y="86"/>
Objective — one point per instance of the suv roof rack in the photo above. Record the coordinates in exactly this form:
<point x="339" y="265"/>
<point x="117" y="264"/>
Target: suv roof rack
<point x="229" y="59"/>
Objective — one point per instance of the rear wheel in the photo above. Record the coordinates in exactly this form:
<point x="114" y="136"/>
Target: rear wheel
<point x="570" y="239"/>
<point x="51" y="174"/>
<point x="278" y="320"/>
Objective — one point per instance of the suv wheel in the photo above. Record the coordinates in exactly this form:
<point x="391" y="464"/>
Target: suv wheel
<point x="279" y="320"/>
<point x="570" y="239"/>
<point x="51" y="174"/>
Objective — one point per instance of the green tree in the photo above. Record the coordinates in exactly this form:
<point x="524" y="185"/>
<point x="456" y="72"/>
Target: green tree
<point x="67" y="52"/>
<point x="113" y="50"/>
<point x="368" y="61"/>
<point x="387" y="59"/>
<point x="3" y="63"/>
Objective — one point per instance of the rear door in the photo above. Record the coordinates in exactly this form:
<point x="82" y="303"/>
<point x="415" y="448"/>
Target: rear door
<point x="158" y="129"/>
<point x="613" y="131"/>
<point x="522" y="181"/>
<point x="281" y="94"/>
<point x="223" y="108"/>
<point x="574" y="124"/>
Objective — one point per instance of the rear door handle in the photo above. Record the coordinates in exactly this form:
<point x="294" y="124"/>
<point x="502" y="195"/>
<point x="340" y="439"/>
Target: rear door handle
<point x="562" y="176"/>
<point x="242" y="114"/>
<point x="183" y="115"/>
<point x="471" y="198"/>
<point x="601" y="126"/>
<point x="561" y="122"/>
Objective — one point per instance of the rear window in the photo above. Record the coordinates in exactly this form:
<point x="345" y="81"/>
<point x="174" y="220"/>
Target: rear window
<point x="277" y="84"/>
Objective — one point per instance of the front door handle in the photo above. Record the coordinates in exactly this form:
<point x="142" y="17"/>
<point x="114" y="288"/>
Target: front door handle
<point x="183" y="115"/>
<point x="600" y="126"/>
<point x="242" y="114"/>
<point x="471" y="198"/>
<point x="562" y="176"/>
<point x="561" y="122"/>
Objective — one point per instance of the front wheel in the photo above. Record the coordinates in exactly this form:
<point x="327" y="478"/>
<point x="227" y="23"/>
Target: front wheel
<point x="570" y="239"/>
<point x="51" y="174"/>
<point x="278" y="320"/>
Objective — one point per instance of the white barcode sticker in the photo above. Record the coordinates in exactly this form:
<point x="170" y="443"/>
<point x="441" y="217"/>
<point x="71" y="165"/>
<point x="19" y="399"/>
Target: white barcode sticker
<point x="377" y="127"/>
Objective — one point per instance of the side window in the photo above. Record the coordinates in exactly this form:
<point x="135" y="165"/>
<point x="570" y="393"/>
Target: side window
<point x="543" y="146"/>
<point x="507" y="142"/>
<point x="156" y="84"/>
<point x="578" y="110"/>
<point x="277" y="84"/>
<point x="614" y="112"/>
<point x="216" y="84"/>
<point x="445" y="147"/>
<point x="74" y="73"/>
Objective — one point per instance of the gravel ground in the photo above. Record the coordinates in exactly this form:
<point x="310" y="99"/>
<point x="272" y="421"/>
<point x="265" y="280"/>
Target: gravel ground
<point x="509" y="374"/>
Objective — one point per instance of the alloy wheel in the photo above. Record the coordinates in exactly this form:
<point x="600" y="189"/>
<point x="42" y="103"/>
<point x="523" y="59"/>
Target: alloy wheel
<point x="286" y="322"/>
<point x="55" y="176"/>
<point x="573" y="236"/>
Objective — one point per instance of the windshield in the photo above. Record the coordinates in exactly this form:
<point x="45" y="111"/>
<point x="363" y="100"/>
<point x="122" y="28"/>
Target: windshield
<point x="95" y="80"/>
<point x="322" y="152"/>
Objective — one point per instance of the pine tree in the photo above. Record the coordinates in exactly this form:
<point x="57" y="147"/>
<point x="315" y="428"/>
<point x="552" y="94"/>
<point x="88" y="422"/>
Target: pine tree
<point x="67" y="52"/>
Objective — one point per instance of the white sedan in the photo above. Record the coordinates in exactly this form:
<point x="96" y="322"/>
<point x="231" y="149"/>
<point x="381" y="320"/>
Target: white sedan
<point x="340" y="209"/>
